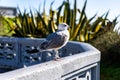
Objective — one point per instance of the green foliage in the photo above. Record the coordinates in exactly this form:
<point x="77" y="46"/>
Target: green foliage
<point x="28" y="25"/>
<point x="110" y="73"/>
<point x="108" y="42"/>
<point x="83" y="29"/>
<point x="5" y="29"/>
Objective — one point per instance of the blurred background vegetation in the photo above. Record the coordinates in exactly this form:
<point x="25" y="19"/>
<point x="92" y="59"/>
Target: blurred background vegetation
<point x="97" y="30"/>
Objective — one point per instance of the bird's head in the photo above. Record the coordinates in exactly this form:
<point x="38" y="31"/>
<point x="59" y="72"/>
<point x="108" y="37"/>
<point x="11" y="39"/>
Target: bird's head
<point x="63" y="26"/>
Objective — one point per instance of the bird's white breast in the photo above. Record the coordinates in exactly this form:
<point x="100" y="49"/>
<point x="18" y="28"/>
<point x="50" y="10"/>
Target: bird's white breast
<point x="66" y="34"/>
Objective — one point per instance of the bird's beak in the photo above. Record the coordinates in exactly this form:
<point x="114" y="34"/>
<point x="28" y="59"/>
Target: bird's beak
<point x="70" y="26"/>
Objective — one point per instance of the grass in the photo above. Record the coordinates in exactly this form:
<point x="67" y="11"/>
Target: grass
<point x="109" y="45"/>
<point x="110" y="73"/>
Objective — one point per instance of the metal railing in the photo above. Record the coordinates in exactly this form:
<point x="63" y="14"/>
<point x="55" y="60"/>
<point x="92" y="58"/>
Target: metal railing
<point x="79" y="61"/>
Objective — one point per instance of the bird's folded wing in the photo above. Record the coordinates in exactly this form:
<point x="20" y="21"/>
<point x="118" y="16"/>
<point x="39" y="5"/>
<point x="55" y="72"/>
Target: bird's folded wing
<point x="53" y="41"/>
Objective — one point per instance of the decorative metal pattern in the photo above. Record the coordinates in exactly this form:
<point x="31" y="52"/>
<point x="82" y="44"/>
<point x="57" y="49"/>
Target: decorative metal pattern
<point x="87" y="73"/>
<point x="8" y="52"/>
<point x="19" y="52"/>
<point x="30" y="55"/>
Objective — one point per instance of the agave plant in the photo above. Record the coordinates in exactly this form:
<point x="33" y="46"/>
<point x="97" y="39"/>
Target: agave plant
<point x="28" y="25"/>
<point x="6" y="26"/>
<point x="83" y="30"/>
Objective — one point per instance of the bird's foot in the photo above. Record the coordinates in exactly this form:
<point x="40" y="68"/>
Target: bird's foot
<point x="57" y="58"/>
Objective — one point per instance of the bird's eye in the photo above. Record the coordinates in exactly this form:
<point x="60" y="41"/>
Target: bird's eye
<point x="64" y="25"/>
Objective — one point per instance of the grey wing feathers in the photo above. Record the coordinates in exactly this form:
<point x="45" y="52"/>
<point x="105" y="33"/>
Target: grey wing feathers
<point x="53" y="41"/>
<point x="52" y="36"/>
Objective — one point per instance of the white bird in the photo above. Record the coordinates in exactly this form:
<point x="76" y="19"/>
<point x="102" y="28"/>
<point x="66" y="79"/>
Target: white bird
<point x="56" y="40"/>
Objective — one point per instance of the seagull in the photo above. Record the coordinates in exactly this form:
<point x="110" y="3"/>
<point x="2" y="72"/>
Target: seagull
<point x="56" y="40"/>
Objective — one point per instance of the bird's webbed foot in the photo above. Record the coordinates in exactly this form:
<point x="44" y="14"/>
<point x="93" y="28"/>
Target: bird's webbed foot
<point x="56" y="56"/>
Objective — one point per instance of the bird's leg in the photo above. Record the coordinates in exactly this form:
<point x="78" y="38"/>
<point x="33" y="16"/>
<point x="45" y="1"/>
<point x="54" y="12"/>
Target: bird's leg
<point x="56" y="55"/>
